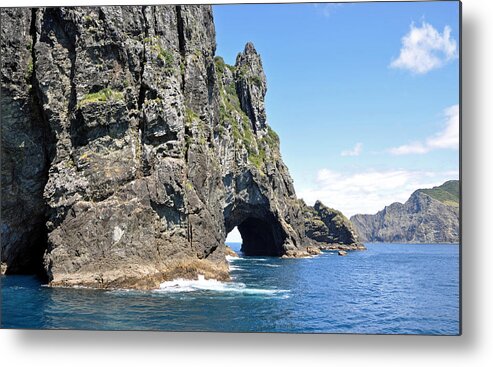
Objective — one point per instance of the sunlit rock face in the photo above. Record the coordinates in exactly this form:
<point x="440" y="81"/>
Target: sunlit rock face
<point x="428" y="216"/>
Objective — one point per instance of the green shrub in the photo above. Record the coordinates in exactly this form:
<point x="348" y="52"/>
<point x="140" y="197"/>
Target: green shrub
<point x="220" y="65"/>
<point x="257" y="159"/>
<point x="190" y="116"/>
<point x="29" y="71"/>
<point x="257" y="81"/>
<point x="104" y="95"/>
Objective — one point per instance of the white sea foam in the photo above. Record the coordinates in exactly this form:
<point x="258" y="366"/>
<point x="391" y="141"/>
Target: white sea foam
<point x="202" y="284"/>
<point x="233" y="258"/>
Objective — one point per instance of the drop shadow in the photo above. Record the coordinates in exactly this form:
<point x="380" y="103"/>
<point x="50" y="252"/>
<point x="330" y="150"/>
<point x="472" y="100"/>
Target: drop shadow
<point x="322" y="344"/>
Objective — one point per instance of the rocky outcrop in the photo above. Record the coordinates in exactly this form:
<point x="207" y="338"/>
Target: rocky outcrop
<point x="129" y="151"/>
<point x="428" y="216"/>
<point x="329" y="229"/>
<point x="259" y="197"/>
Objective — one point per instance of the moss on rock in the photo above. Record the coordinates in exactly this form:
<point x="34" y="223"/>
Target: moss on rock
<point x="104" y="95"/>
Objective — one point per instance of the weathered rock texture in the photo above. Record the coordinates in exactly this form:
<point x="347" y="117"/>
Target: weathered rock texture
<point x="25" y="150"/>
<point x="428" y="216"/>
<point x="329" y="229"/>
<point x="129" y="151"/>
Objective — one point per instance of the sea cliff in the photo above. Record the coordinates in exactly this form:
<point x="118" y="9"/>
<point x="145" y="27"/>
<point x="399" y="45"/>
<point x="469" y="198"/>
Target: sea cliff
<point x="428" y="216"/>
<point x="129" y="150"/>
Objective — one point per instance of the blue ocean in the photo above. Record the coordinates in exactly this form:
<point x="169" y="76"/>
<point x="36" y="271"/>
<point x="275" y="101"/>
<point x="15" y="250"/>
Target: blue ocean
<point x="388" y="289"/>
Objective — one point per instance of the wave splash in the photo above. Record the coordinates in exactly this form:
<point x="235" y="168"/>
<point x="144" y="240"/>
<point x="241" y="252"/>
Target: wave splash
<point x="234" y="258"/>
<point x="202" y="284"/>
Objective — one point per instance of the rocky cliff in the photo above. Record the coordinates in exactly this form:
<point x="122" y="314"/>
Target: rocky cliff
<point x="428" y="216"/>
<point x="329" y="229"/>
<point x="129" y="150"/>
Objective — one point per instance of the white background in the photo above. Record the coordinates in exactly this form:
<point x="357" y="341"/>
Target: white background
<point x="474" y="348"/>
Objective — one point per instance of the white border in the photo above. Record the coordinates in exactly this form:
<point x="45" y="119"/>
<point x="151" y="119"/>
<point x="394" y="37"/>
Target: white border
<point x="474" y="348"/>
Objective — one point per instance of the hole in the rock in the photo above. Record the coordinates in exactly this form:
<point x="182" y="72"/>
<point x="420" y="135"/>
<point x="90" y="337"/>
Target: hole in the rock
<point x="257" y="237"/>
<point x="234" y="236"/>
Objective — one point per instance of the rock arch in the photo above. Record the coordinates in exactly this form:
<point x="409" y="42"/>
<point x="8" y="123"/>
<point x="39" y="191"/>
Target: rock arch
<point x="261" y="232"/>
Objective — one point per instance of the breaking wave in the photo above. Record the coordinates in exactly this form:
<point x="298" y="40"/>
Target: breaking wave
<point x="202" y="284"/>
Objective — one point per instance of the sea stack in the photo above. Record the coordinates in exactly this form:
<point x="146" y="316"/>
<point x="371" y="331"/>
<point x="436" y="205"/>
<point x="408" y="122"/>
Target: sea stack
<point x="129" y="150"/>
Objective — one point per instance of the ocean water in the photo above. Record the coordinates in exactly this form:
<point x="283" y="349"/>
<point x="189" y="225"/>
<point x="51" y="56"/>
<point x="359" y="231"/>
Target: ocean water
<point x="388" y="289"/>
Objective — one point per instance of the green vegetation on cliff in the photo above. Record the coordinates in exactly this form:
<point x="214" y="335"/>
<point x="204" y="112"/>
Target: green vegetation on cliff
<point x="104" y="95"/>
<point x="448" y="193"/>
<point x="231" y="114"/>
<point x="428" y="216"/>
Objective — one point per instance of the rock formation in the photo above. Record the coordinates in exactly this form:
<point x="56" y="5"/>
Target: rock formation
<point x="129" y="151"/>
<point x="428" y="216"/>
<point x="329" y="229"/>
<point x="25" y="145"/>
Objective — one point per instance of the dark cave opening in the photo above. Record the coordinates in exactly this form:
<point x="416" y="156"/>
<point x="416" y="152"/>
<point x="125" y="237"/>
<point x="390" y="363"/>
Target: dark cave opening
<point x="24" y="210"/>
<point x="261" y="233"/>
<point x="258" y="238"/>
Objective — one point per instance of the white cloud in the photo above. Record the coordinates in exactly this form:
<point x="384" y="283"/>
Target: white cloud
<point x="356" y="151"/>
<point x="411" y="148"/>
<point x="448" y="138"/>
<point x="370" y="191"/>
<point x="424" y="49"/>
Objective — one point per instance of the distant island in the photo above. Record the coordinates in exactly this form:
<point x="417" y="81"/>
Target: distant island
<point x="428" y="216"/>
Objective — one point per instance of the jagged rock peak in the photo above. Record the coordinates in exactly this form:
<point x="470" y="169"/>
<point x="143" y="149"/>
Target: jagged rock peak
<point x="250" y="49"/>
<point x="251" y="86"/>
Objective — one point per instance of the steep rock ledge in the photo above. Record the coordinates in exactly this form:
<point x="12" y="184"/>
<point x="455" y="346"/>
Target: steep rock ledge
<point x="129" y="152"/>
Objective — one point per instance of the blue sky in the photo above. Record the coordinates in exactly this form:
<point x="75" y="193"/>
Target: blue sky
<point x="364" y="96"/>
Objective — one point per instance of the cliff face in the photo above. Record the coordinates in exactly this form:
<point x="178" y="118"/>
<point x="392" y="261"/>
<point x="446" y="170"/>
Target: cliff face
<point x="25" y="153"/>
<point x="129" y="151"/>
<point x="423" y="218"/>
<point x="329" y="229"/>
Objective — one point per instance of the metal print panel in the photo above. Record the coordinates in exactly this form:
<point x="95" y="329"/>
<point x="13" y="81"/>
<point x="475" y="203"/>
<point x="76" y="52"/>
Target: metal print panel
<point x="237" y="168"/>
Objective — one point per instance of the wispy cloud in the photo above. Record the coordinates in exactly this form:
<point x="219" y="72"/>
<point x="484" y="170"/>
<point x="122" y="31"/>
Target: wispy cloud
<point x="327" y="9"/>
<point x="356" y="151"/>
<point x="424" y="49"/>
<point x="447" y="138"/>
<point x="370" y="191"/>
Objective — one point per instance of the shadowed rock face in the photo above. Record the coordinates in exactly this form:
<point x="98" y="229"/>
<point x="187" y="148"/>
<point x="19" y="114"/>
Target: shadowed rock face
<point x="25" y="150"/>
<point x="329" y="229"/>
<point x="129" y="151"/>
